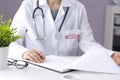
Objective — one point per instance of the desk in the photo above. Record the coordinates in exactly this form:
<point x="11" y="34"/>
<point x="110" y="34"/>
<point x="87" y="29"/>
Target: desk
<point x="37" y="73"/>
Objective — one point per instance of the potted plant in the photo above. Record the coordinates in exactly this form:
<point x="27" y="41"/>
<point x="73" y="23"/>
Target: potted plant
<point x="7" y="35"/>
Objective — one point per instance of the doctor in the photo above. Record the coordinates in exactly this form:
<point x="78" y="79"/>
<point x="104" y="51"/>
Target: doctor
<point x="57" y="27"/>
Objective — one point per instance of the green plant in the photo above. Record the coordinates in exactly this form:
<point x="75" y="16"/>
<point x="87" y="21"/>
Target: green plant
<point x="7" y="34"/>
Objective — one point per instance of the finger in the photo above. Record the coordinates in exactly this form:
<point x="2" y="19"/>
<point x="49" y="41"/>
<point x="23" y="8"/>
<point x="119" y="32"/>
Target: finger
<point x="119" y="54"/>
<point x="114" y="57"/>
<point x="28" y="57"/>
<point x="33" y="57"/>
<point x="40" y="54"/>
<point x="36" y="57"/>
<point x="118" y="61"/>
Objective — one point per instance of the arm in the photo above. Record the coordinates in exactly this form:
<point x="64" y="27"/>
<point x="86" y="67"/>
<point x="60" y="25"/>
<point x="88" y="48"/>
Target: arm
<point x="21" y="21"/>
<point x="16" y="49"/>
<point x="87" y="40"/>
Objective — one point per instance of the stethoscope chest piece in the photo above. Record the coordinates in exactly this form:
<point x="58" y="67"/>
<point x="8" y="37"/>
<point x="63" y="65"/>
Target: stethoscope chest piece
<point x="58" y="35"/>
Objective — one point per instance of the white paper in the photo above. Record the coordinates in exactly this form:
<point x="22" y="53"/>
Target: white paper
<point x="56" y="63"/>
<point x="95" y="60"/>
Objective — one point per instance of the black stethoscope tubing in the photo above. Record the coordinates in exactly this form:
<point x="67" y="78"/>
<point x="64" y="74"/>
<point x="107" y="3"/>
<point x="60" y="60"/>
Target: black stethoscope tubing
<point x="33" y="15"/>
<point x="63" y="20"/>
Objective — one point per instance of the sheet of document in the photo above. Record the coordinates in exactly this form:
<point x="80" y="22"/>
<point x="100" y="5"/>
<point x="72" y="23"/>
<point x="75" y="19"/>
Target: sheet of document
<point x="96" y="60"/>
<point x="56" y="63"/>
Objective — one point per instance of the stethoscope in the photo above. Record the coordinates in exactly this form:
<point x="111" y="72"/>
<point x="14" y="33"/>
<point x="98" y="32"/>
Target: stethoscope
<point x="58" y="35"/>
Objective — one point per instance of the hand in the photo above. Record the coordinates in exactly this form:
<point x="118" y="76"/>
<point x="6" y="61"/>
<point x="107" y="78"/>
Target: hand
<point x="34" y="56"/>
<point x="116" y="57"/>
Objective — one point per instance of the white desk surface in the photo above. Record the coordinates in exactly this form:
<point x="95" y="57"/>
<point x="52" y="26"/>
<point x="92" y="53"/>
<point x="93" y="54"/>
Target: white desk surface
<point x="37" y="73"/>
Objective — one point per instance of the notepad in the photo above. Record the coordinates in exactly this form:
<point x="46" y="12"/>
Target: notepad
<point x="95" y="60"/>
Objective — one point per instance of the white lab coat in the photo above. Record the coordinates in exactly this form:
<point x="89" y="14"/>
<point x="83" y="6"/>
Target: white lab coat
<point x="76" y="23"/>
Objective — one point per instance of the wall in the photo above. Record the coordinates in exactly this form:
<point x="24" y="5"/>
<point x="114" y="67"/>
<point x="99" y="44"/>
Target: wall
<point x="96" y="15"/>
<point x="9" y="7"/>
<point x="95" y="10"/>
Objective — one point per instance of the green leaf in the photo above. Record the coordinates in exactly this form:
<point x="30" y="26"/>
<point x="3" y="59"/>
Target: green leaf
<point x="7" y="34"/>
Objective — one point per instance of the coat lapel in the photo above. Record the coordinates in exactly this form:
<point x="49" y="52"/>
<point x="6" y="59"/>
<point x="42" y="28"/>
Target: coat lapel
<point x="43" y="4"/>
<point x="62" y="10"/>
<point x="48" y="15"/>
<point x="60" y="14"/>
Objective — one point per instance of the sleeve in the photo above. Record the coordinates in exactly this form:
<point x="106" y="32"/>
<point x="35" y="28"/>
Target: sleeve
<point x="87" y="40"/>
<point x="20" y="21"/>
